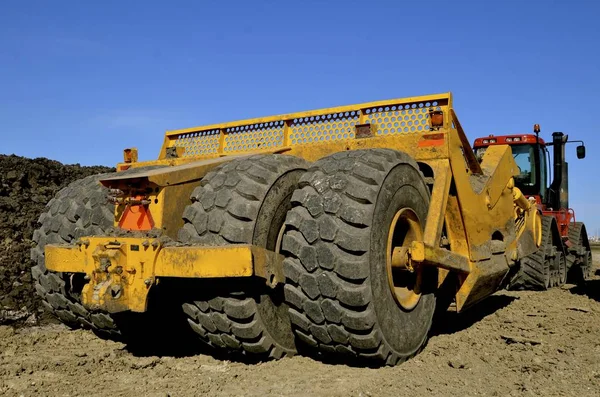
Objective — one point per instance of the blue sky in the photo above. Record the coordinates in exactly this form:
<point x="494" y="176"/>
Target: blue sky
<point x="81" y="80"/>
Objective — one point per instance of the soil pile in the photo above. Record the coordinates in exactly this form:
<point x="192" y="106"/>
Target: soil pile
<point x="26" y="185"/>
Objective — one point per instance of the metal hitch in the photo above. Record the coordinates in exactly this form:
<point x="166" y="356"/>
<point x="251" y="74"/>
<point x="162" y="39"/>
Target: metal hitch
<point x="122" y="271"/>
<point x="407" y="258"/>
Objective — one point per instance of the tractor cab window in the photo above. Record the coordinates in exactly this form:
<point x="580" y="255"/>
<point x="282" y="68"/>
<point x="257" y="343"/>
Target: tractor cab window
<point x="524" y="156"/>
<point x="531" y="180"/>
<point x="532" y="177"/>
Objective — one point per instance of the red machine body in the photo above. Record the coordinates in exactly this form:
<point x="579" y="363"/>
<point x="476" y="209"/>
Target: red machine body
<point x="532" y="156"/>
<point x="564" y="254"/>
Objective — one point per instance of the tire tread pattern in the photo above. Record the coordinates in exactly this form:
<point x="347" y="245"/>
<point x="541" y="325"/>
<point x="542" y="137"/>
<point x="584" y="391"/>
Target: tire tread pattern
<point x="224" y="211"/>
<point x="78" y="210"/>
<point x="327" y="286"/>
<point x="578" y="270"/>
<point x="534" y="268"/>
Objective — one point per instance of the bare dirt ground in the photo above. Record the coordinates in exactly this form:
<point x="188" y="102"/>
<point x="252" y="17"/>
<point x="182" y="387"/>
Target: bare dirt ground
<point x="513" y="344"/>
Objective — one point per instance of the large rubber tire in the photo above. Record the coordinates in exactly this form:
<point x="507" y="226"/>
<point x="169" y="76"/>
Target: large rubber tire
<point x="242" y="201"/>
<point x="579" y="266"/>
<point x="557" y="257"/>
<point x="78" y="210"/>
<point x="542" y="269"/>
<point x="560" y="263"/>
<point x="336" y="235"/>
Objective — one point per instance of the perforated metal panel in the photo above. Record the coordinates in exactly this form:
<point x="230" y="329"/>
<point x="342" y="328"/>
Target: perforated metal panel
<point x="254" y="136"/>
<point x="323" y="128"/>
<point x="400" y="119"/>
<point x="198" y="143"/>
<point x="393" y="117"/>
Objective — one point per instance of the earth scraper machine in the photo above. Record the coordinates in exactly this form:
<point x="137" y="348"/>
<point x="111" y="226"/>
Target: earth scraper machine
<point x="341" y="230"/>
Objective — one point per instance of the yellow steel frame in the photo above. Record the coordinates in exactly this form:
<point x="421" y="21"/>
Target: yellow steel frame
<point x="122" y="270"/>
<point x="475" y="203"/>
<point x="364" y="113"/>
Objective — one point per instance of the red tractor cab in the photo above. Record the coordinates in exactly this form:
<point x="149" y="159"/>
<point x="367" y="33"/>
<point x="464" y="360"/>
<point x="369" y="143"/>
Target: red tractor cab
<point x="565" y="247"/>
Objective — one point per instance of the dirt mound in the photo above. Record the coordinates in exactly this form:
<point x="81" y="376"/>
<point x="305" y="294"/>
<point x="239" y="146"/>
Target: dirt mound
<point x="26" y="185"/>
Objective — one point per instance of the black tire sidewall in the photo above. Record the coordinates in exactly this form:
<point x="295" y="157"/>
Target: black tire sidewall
<point x="405" y="331"/>
<point x="271" y="217"/>
<point x="274" y="208"/>
<point x="260" y="209"/>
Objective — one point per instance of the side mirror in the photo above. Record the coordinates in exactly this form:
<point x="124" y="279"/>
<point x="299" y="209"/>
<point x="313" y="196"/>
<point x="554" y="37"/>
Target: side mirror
<point x="580" y="152"/>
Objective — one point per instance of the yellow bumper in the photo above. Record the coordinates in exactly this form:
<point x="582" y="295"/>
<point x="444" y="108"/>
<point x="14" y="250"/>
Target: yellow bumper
<point x="121" y="271"/>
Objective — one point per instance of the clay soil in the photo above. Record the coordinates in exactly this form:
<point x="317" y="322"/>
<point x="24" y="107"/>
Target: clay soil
<point x="26" y="185"/>
<point x="512" y="344"/>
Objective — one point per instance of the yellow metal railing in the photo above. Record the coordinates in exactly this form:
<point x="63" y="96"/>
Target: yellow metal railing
<point x="389" y="117"/>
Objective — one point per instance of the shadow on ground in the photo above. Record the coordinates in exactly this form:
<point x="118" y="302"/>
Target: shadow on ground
<point x="450" y="322"/>
<point x="591" y="289"/>
<point x="175" y="341"/>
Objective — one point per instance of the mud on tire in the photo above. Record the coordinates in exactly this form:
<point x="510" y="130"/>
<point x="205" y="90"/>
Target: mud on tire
<point x="78" y="210"/>
<point x="242" y="201"/>
<point x="336" y="280"/>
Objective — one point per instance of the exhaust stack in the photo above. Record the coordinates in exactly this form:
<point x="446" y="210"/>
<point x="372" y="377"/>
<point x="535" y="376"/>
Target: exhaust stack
<point x="559" y="189"/>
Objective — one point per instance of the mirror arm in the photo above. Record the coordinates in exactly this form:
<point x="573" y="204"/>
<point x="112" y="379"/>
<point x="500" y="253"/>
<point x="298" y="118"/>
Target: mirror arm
<point x="552" y="144"/>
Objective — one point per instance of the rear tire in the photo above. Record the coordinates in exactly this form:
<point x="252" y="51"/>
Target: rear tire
<point x="337" y="240"/>
<point x="579" y="255"/>
<point x="561" y="263"/>
<point x="243" y="201"/>
<point x="544" y="268"/>
<point x="78" y="210"/>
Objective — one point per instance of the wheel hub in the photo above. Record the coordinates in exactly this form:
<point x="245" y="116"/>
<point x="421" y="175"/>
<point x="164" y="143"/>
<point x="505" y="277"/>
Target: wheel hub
<point x="404" y="279"/>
